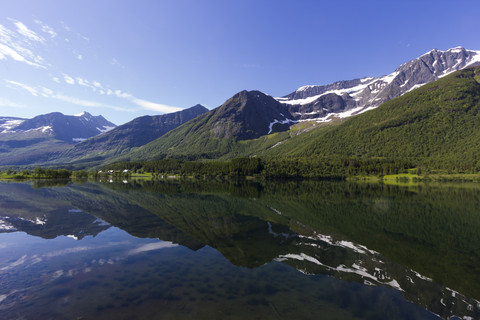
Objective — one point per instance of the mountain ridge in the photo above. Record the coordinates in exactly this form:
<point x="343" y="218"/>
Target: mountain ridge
<point x="130" y="135"/>
<point x="360" y="95"/>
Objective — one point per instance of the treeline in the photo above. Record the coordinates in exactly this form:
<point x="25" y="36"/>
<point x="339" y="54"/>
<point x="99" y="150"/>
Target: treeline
<point x="234" y="167"/>
<point x="37" y="173"/>
<point x="268" y="168"/>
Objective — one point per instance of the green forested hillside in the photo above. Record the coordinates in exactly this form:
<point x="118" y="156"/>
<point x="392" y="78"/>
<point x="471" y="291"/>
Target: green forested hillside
<point x="436" y="125"/>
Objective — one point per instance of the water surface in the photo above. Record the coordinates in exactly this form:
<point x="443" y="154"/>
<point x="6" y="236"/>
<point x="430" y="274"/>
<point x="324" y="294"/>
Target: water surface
<point x="191" y="250"/>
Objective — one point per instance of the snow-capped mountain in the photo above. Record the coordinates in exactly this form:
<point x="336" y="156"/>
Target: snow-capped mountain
<point x="345" y="98"/>
<point x="70" y="129"/>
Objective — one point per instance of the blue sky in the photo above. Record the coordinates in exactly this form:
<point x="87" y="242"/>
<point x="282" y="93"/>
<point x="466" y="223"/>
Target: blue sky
<point x="123" y="59"/>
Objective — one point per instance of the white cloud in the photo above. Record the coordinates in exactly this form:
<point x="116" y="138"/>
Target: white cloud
<point x="24" y="31"/>
<point x="46" y="92"/>
<point x="83" y="82"/>
<point x="6" y="51"/>
<point x="88" y="103"/>
<point x="12" y="46"/>
<point x="25" y="87"/>
<point x="47" y="29"/>
<point x="57" y="80"/>
<point x="123" y="95"/>
<point x="68" y="79"/>
<point x="79" y="57"/>
<point x="155" y="106"/>
<point x="97" y="84"/>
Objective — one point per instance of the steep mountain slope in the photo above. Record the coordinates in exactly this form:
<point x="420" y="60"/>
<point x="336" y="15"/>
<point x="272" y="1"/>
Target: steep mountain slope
<point x="437" y="123"/>
<point x="346" y="98"/>
<point x="247" y="115"/>
<point x="33" y="141"/>
<point x="132" y="134"/>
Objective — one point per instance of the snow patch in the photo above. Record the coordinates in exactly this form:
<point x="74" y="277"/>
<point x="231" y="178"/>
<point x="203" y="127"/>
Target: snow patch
<point x="389" y="78"/>
<point x="304" y="88"/>
<point x="78" y="139"/>
<point x="105" y="129"/>
<point x="286" y="121"/>
<point x="417" y="86"/>
<point x="352" y="91"/>
<point x="5" y="226"/>
<point x="10" y="124"/>
<point x="40" y="221"/>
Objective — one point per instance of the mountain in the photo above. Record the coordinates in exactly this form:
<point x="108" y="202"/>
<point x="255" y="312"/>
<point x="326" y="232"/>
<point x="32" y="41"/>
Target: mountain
<point x="62" y="127"/>
<point x="30" y="141"/>
<point x="436" y="125"/>
<point x="249" y="123"/>
<point x="135" y="133"/>
<point x="245" y="116"/>
<point x="345" y="98"/>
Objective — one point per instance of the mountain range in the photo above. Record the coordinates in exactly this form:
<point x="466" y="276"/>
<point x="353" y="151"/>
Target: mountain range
<point x="251" y="122"/>
<point x="26" y="141"/>
<point x="123" y="138"/>
<point x="229" y="131"/>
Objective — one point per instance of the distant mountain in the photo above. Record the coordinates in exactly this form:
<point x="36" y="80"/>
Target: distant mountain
<point x="345" y="98"/>
<point x="31" y="141"/>
<point x="135" y="133"/>
<point x="70" y="129"/>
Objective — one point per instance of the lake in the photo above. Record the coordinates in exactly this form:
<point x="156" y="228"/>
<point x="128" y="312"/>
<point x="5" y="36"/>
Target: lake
<point x="238" y="250"/>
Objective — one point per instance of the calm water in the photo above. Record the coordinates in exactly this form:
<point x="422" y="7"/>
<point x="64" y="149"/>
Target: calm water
<point x="185" y="250"/>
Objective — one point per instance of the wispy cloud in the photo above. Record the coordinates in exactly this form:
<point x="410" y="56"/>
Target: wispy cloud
<point x="145" y="104"/>
<point x="26" y="32"/>
<point x="47" y="29"/>
<point x="88" y="103"/>
<point x="155" y="106"/>
<point x="48" y="93"/>
<point x="29" y="89"/>
<point x="68" y="79"/>
<point x="16" y="45"/>
<point x="83" y="82"/>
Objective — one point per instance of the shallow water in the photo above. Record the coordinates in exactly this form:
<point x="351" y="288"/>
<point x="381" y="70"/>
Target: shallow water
<point x="185" y="250"/>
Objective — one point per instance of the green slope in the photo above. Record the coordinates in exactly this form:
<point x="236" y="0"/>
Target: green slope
<point x="437" y="124"/>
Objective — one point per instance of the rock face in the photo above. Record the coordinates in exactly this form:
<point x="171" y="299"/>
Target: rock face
<point x="346" y="98"/>
<point x="249" y="115"/>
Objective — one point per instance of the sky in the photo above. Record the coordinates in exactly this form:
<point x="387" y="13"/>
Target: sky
<point x="126" y="58"/>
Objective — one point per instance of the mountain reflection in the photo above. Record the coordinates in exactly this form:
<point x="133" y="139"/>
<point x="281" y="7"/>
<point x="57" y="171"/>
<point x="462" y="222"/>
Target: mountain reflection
<point x="423" y="242"/>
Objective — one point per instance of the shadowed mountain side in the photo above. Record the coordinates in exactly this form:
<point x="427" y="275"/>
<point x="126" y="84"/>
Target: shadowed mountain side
<point x="123" y="138"/>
